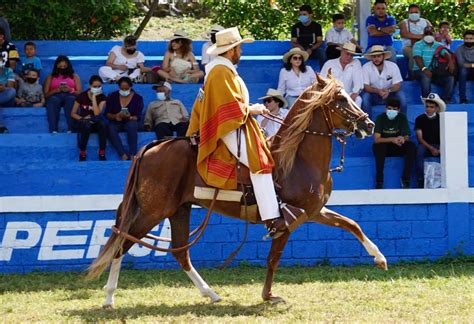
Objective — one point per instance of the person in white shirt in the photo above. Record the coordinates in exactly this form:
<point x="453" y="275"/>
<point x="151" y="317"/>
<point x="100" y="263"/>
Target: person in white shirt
<point x="411" y="31"/>
<point x="295" y="76"/>
<point x="123" y="61"/>
<point x="382" y="80"/>
<point x="337" y="36"/>
<point x="347" y="70"/>
<point x="211" y="35"/>
<point x="277" y="105"/>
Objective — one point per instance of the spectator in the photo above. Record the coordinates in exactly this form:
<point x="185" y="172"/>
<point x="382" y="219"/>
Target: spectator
<point x="392" y="138"/>
<point x="465" y="57"/>
<point x="123" y="110"/>
<point x="206" y="58"/>
<point x="337" y="36"/>
<point x="124" y="60"/>
<point x="307" y="35"/>
<point x="411" y="31"/>
<point x="7" y="86"/>
<point x="166" y="115"/>
<point x="427" y="133"/>
<point x="423" y="52"/>
<point x="8" y="52"/>
<point x="347" y="70"/>
<point x="382" y="80"/>
<point x="30" y="92"/>
<point x="6" y="28"/>
<point x="277" y="105"/>
<point x="60" y="90"/>
<point x="31" y="62"/>
<point x="443" y="36"/>
<point x="381" y="27"/>
<point x="295" y="76"/>
<point x="179" y="63"/>
<point x="87" y="112"/>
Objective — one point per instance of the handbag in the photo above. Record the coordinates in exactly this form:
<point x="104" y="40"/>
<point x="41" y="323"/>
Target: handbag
<point x="432" y="172"/>
<point x="439" y="65"/>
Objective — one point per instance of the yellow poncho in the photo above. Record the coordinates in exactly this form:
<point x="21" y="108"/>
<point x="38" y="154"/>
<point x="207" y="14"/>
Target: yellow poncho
<point x="219" y="109"/>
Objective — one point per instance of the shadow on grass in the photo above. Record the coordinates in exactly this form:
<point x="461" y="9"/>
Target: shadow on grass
<point x="241" y="275"/>
<point x="199" y="309"/>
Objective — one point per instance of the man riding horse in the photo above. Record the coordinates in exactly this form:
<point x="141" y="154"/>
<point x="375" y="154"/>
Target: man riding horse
<point x="223" y="118"/>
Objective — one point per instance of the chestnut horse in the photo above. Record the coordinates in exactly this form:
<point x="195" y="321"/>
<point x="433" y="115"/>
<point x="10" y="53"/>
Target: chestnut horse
<point x="161" y="184"/>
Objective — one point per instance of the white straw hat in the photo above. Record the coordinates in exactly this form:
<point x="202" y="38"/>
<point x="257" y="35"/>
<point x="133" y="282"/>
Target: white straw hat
<point x="293" y="51"/>
<point x="179" y="34"/>
<point x="348" y="47"/>
<point x="272" y="93"/>
<point x="436" y="99"/>
<point x="376" y="50"/>
<point x="227" y="39"/>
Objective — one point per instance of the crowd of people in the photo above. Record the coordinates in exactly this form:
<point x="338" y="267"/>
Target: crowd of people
<point x="377" y="82"/>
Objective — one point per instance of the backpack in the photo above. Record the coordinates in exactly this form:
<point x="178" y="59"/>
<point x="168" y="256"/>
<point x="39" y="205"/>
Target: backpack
<point x="439" y="65"/>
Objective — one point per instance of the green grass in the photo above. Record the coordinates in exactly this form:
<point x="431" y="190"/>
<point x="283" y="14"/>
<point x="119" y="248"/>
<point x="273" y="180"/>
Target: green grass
<point x="442" y="291"/>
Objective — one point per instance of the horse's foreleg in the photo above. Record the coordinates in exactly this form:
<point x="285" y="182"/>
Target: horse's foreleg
<point x="180" y="234"/>
<point x="112" y="281"/>
<point x="331" y="218"/>
<point x="274" y="256"/>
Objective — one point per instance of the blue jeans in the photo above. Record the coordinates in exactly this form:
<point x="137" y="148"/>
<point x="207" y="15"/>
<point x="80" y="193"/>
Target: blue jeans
<point x="421" y="153"/>
<point x="53" y="108"/>
<point x="291" y="100"/>
<point x="372" y="99"/>
<point x="7" y="97"/>
<point x="129" y="126"/>
<point x="464" y="74"/>
<point x="446" y="82"/>
<point x="319" y="54"/>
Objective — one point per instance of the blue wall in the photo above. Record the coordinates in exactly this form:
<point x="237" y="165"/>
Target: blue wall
<point x="402" y="232"/>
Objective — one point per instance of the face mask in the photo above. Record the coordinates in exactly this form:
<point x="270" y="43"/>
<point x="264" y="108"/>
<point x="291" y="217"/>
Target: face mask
<point x="124" y="93"/>
<point x="414" y="16"/>
<point x="338" y="29"/>
<point x="429" y="39"/>
<point x="430" y="116"/>
<point x="62" y="70"/>
<point x="469" y="44"/>
<point x="391" y="114"/>
<point x="303" y="19"/>
<point x="30" y="80"/>
<point x="161" y="96"/>
<point x="96" y="90"/>
<point x="131" y="50"/>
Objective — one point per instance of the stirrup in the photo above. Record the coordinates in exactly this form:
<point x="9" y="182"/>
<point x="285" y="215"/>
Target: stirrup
<point x="273" y="231"/>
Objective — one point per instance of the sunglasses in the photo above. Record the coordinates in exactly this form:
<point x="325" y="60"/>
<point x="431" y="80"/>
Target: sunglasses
<point x="268" y="100"/>
<point x="297" y="58"/>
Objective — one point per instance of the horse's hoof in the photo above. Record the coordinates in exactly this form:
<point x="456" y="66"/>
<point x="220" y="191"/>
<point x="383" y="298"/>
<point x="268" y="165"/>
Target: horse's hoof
<point x="381" y="263"/>
<point x="276" y="300"/>
<point x="213" y="296"/>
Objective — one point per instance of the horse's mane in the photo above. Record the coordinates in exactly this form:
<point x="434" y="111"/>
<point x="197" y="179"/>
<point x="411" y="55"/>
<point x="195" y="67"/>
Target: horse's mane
<point x="300" y="116"/>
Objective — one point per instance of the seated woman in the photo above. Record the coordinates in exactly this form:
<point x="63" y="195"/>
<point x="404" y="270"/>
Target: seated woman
<point x="87" y="112"/>
<point x="123" y="110"/>
<point x="124" y="60"/>
<point x="295" y="76"/>
<point x="60" y="90"/>
<point x="277" y="106"/>
<point x="179" y="63"/>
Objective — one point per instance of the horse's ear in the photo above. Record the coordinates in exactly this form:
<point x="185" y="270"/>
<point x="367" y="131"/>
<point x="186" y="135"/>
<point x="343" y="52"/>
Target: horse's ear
<point x="321" y="80"/>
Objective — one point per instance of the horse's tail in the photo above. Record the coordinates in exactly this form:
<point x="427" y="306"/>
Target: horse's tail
<point x="126" y="215"/>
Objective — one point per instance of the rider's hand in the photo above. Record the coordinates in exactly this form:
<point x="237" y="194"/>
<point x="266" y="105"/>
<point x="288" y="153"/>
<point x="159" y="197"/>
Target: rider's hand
<point x="258" y="109"/>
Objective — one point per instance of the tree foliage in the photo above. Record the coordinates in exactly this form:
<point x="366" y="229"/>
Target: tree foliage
<point x="68" y="19"/>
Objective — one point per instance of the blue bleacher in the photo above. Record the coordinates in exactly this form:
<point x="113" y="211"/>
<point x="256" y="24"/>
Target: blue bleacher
<point x="36" y="162"/>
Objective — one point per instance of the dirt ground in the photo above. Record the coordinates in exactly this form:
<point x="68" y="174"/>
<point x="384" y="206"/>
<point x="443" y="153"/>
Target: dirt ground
<point x="163" y="28"/>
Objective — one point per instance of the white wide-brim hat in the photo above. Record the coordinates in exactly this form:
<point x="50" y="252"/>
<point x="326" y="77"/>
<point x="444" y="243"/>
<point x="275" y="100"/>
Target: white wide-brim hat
<point x="273" y="93"/>
<point x="226" y="40"/>
<point x="348" y="47"/>
<point x="376" y="50"/>
<point x="214" y="29"/>
<point x="436" y="99"/>
<point x="293" y="51"/>
<point x="179" y="34"/>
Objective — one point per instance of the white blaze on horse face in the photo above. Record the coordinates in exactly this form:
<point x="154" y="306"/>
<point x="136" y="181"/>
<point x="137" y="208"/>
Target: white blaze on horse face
<point x="353" y="108"/>
<point x="112" y="281"/>
<point x="203" y="287"/>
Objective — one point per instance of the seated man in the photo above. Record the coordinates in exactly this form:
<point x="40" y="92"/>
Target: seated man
<point x="277" y="105"/>
<point x="308" y="35"/>
<point x="465" y="56"/>
<point x="382" y="80"/>
<point x="206" y="58"/>
<point x="337" y="36"/>
<point x="423" y="52"/>
<point x="392" y="138"/>
<point x="8" y="52"/>
<point x="380" y="28"/>
<point x="166" y="115"/>
<point x="347" y="70"/>
<point x="7" y="86"/>
<point x="427" y="133"/>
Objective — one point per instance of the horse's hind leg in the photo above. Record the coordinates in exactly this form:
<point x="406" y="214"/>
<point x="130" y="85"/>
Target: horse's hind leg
<point x="180" y="235"/>
<point x="331" y="218"/>
<point x="274" y="256"/>
<point x="112" y="281"/>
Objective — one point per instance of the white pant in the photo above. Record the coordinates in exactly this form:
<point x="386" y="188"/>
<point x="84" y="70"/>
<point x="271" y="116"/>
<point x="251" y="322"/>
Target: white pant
<point x="263" y="186"/>
<point x="107" y="74"/>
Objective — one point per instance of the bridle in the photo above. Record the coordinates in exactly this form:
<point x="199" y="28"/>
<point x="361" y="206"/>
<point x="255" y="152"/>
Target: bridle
<point x="338" y="134"/>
